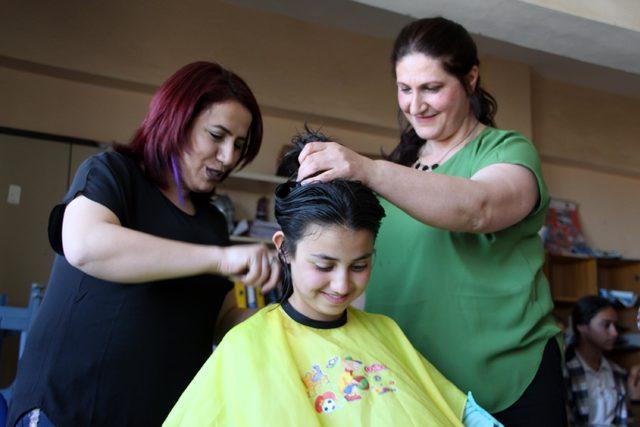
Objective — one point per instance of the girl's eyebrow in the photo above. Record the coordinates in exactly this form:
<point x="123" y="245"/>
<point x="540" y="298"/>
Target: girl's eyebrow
<point x="329" y="258"/>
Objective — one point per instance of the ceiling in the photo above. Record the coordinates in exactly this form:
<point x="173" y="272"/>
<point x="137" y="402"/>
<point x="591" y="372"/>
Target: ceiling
<point x="584" y="47"/>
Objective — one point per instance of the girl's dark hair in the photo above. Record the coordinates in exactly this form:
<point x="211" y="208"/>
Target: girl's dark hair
<point x="340" y="202"/>
<point x="448" y="41"/>
<point x="585" y="309"/>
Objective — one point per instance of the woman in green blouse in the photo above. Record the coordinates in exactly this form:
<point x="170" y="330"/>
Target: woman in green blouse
<point x="459" y="261"/>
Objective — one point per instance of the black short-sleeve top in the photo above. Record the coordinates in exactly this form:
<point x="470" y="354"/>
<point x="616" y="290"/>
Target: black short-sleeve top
<point x="105" y="353"/>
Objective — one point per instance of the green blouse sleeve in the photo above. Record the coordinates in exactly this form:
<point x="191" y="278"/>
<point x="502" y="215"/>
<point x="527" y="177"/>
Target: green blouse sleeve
<point x="513" y="148"/>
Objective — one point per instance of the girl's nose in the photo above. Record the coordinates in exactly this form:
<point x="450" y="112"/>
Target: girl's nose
<point x="340" y="282"/>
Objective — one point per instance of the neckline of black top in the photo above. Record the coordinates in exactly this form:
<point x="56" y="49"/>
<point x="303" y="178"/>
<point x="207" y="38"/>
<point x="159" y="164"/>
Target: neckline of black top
<point x="307" y="321"/>
<point x="196" y="198"/>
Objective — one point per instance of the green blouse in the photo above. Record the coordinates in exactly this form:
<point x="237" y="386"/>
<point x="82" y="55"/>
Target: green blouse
<point x="476" y="305"/>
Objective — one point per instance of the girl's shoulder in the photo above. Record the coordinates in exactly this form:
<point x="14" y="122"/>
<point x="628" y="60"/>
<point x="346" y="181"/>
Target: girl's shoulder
<point x="254" y="328"/>
<point x="373" y="320"/>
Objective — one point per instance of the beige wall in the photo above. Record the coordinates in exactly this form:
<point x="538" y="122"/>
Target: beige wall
<point x="509" y="83"/>
<point x="290" y="64"/>
<point x="55" y="105"/>
<point x="586" y="126"/>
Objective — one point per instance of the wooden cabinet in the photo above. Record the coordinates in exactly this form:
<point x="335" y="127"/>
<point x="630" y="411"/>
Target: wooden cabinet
<point x="571" y="278"/>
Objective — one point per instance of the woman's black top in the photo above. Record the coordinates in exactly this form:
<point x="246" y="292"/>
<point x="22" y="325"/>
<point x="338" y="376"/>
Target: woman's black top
<point x="105" y="353"/>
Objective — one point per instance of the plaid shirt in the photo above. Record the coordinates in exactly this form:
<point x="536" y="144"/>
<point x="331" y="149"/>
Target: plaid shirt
<point x="578" y="393"/>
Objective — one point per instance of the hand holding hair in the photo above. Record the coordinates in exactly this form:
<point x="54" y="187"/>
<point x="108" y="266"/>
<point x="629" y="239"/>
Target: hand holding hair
<point x="326" y="161"/>
<point x="251" y="264"/>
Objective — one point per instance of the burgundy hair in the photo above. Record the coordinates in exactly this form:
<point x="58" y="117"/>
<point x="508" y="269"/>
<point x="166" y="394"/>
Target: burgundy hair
<point x="164" y="132"/>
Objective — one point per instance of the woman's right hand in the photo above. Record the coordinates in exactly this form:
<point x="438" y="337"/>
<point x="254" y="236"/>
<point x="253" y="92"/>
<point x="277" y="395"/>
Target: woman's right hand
<point x="326" y="161"/>
<point x="95" y="242"/>
<point x="254" y="265"/>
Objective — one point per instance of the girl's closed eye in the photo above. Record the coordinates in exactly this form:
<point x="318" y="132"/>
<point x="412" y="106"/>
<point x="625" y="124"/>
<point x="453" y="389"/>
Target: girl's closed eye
<point x="324" y="268"/>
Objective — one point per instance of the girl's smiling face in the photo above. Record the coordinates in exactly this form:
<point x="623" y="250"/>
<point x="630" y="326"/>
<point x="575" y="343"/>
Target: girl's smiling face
<point x="330" y="268"/>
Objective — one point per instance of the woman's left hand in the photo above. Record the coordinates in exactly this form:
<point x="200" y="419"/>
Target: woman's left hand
<point x="326" y="161"/>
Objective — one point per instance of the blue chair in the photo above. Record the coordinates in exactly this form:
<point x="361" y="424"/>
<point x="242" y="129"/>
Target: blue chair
<point x="18" y="320"/>
<point x="3" y="302"/>
<point x="3" y="411"/>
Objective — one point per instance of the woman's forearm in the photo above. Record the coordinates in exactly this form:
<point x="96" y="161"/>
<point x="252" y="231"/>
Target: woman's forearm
<point x="95" y="242"/>
<point x="495" y="198"/>
<point x="451" y="203"/>
<point x="115" y="253"/>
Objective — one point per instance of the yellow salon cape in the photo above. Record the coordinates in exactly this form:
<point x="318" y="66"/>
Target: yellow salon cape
<point x="272" y="371"/>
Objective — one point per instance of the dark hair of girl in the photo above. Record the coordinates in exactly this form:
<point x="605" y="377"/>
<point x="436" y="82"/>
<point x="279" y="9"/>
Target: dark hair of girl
<point x="340" y="202"/>
<point x="585" y="309"/>
<point x="448" y="41"/>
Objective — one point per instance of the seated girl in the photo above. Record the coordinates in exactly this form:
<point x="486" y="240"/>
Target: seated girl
<point x="313" y="359"/>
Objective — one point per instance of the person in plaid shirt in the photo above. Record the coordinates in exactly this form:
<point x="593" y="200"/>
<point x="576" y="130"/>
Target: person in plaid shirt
<point x="597" y="388"/>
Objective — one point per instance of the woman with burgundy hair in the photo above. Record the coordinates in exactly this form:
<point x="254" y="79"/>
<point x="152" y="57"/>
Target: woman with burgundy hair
<point x="138" y="288"/>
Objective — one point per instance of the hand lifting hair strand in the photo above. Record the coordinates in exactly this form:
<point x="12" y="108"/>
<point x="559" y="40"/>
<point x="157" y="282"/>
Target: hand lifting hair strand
<point x="440" y="111"/>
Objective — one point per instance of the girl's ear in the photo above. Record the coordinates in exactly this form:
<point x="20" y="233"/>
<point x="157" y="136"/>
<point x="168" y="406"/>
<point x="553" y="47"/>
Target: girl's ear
<point x="278" y="240"/>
